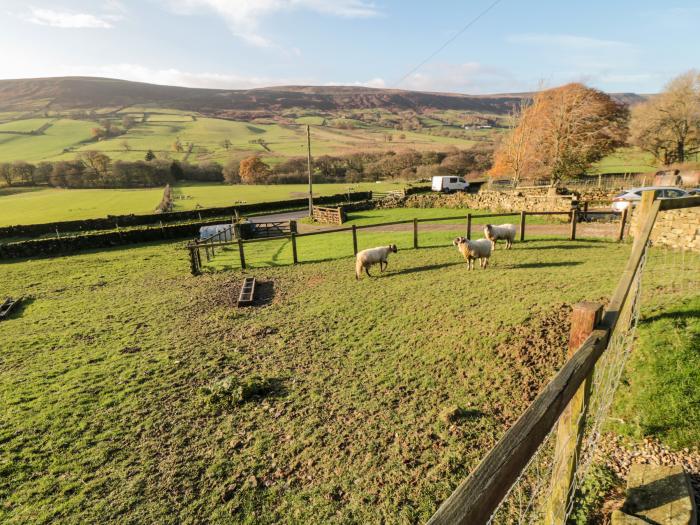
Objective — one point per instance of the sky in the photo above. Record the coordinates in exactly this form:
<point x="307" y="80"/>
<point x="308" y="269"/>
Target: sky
<point x="517" y="45"/>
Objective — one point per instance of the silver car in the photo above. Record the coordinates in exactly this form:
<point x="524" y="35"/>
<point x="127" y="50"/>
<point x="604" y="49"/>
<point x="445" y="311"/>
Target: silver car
<point x="630" y="198"/>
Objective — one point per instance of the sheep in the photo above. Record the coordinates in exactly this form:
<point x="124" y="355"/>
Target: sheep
<point x="504" y="231"/>
<point x="471" y="250"/>
<point x="367" y="258"/>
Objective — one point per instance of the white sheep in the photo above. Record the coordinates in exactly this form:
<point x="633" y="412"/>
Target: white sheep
<point x="367" y="258"/>
<point x="480" y="249"/>
<point x="504" y="231"/>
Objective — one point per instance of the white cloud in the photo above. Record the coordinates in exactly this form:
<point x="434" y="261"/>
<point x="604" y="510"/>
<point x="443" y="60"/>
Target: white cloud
<point x="469" y="77"/>
<point x="567" y="41"/>
<point x="243" y="16"/>
<point x="378" y="83"/>
<point x="68" y="20"/>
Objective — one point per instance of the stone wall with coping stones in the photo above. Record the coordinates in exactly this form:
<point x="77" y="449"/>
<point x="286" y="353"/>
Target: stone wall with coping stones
<point x="675" y="229"/>
<point x="496" y="201"/>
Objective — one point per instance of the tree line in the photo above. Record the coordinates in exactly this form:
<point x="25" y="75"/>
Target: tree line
<point x="407" y="164"/>
<point x="94" y="169"/>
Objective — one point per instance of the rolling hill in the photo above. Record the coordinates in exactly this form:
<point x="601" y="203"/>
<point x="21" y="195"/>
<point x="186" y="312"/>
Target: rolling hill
<point x="63" y="93"/>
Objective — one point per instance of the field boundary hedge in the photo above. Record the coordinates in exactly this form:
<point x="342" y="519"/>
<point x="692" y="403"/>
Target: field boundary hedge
<point x="121" y="221"/>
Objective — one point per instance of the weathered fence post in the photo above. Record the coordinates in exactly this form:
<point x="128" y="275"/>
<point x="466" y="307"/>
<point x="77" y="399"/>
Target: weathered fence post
<point x="240" y="252"/>
<point x="415" y="233"/>
<point x="522" y="225"/>
<point x="574" y="220"/>
<point x="572" y="422"/>
<point x="469" y="226"/>
<point x="585" y="210"/>
<point x="294" y="247"/>
<point x="354" y="239"/>
<point x="194" y="267"/>
<point x="623" y="220"/>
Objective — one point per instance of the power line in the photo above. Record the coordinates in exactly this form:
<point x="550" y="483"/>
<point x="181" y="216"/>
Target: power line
<point x="448" y="42"/>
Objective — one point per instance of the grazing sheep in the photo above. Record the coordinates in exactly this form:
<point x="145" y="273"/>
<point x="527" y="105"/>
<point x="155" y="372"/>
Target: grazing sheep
<point x="367" y="258"/>
<point x="471" y="250"/>
<point x="504" y="231"/>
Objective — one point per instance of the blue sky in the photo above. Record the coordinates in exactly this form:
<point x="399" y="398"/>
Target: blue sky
<point x="615" y="45"/>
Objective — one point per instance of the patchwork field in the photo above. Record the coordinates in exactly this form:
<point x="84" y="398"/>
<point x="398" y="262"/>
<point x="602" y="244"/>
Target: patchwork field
<point x="39" y="205"/>
<point x="152" y="398"/>
<point x="159" y="129"/>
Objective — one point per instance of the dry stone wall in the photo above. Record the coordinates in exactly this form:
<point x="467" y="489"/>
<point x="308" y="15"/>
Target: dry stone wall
<point x="497" y="201"/>
<point x="676" y="229"/>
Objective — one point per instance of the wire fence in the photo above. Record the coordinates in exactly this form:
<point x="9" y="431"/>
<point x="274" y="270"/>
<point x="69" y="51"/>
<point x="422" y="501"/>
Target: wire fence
<point x="533" y="473"/>
<point x="528" y="500"/>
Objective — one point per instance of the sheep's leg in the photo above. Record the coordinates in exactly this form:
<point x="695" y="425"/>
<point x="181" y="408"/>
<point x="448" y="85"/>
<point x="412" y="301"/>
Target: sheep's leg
<point x="386" y="265"/>
<point x="493" y="245"/>
<point x="367" y="271"/>
<point x="486" y="262"/>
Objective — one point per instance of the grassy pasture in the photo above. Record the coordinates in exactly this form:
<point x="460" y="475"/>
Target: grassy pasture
<point x="163" y="127"/>
<point x="107" y="416"/>
<point x="39" y="205"/>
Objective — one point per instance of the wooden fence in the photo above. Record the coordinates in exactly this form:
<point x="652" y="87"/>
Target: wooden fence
<point x="212" y="244"/>
<point x="477" y="498"/>
<point x="329" y="215"/>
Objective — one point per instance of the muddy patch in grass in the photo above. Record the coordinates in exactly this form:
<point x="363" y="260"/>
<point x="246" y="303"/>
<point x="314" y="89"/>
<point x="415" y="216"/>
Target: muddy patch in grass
<point x="534" y="351"/>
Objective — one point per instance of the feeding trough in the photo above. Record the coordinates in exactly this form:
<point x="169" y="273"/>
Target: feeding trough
<point x="7" y="307"/>
<point x="247" y="294"/>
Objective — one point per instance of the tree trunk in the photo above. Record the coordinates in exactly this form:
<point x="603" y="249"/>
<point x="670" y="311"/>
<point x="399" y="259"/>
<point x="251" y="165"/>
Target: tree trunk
<point x="681" y="151"/>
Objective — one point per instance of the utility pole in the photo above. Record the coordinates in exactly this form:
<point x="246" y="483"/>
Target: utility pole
<point x="308" y="150"/>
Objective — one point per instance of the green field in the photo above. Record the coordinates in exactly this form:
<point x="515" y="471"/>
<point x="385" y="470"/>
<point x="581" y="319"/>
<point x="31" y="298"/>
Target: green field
<point x="124" y="407"/>
<point x="162" y="128"/>
<point x="38" y="205"/>
<point x="626" y="160"/>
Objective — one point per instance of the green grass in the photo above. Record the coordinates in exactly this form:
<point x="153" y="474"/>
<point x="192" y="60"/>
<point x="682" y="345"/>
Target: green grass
<point x="24" y="126"/>
<point x="63" y="133"/>
<point x="108" y="369"/>
<point x="40" y="205"/>
<point x="660" y="392"/>
<point x="164" y="126"/>
<point x="625" y="160"/>
<point x="400" y="214"/>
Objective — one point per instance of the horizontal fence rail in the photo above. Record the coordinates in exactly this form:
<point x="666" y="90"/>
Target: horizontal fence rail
<point x="212" y="244"/>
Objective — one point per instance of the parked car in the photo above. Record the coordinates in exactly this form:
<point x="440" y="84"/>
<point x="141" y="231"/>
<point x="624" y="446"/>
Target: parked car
<point x="448" y="184"/>
<point x="694" y="192"/>
<point x="630" y="198"/>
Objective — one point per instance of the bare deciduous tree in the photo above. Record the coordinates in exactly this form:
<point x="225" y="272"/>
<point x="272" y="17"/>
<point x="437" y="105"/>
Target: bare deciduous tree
<point x="668" y="124"/>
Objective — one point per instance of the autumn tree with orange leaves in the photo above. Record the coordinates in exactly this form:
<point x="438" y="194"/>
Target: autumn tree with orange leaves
<point x="560" y="133"/>
<point x="253" y="170"/>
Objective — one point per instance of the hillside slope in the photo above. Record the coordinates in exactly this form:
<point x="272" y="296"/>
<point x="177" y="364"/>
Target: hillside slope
<point x="89" y="92"/>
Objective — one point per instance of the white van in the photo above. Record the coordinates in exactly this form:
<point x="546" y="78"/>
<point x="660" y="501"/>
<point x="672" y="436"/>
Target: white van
<point x="448" y="184"/>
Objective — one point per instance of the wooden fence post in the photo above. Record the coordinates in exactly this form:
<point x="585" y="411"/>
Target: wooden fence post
<point x="294" y="247"/>
<point x="415" y="233"/>
<point x="240" y="252"/>
<point x="623" y="221"/>
<point x="469" y="226"/>
<point x="584" y="318"/>
<point x="194" y="267"/>
<point x="522" y="225"/>
<point x="574" y="220"/>
<point x="354" y="239"/>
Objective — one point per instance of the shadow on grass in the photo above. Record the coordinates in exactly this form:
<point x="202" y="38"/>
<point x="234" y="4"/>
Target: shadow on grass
<point x="543" y="265"/>
<point x="425" y="268"/>
<point x="675" y="315"/>
<point x="559" y="247"/>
